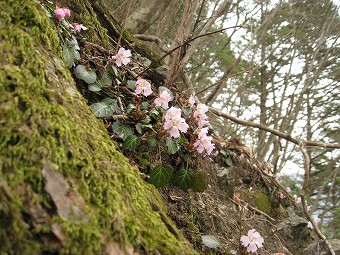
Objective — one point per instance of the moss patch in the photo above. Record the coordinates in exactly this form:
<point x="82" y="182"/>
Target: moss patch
<point x="44" y="119"/>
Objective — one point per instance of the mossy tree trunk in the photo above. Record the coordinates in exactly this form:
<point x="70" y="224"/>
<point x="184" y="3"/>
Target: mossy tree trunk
<point x="64" y="188"/>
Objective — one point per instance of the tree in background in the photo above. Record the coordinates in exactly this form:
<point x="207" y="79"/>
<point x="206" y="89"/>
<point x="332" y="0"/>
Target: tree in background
<point x="277" y="67"/>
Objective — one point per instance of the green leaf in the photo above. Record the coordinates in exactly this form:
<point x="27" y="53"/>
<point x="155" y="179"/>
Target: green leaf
<point x="146" y="120"/>
<point x="160" y="175"/>
<point x="152" y="142"/>
<point x="131" y="143"/>
<point x="131" y="84"/>
<point x="183" y="179"/>
<point x="105" y="108"/>
<point x="187" y="112"/>
<point x="113" y="70"/>
<point x="139" y="128"/>
<point x="69" y="57"/>
<point x="183" y="140"/>
<point x="172" y="146"/>
<point x="228" y="160"/>
<point x="200" y="182"/>
<point x="122" y="130"/>
<point x="105" y="80"/>
<point x="154" y="112"/>
<point x="89" y="76"/>
<point x="211" y="241"/>
<point x="76" y="53"/>
<point x="95" y="87"/>
<point x="145" y="105"/>
<point x="130" y="107"/>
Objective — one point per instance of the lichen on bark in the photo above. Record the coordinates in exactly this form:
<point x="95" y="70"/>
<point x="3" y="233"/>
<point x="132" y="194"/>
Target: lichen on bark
<point x="44" y="120"/>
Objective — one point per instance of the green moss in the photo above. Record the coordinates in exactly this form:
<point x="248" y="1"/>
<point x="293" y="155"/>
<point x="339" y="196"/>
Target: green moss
<point x="259" y="200"/>
<point x="44" y="119"/>
<point x="263" y="203"/>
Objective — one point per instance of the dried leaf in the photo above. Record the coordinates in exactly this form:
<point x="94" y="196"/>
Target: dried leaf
<point x="69" y="204"/>
<point x="58" y="231"/>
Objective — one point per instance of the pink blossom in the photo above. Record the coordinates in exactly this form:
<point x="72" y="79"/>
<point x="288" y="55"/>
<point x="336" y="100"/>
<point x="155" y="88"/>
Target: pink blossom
<point x="200" y="110"/>
<point x="204" y="142"/>
<point x="122" y="57"/>
<point x="172" y="113"/>
<point x="143" y="87"/>
<point x="191" y="101"/>
<point x="288" y="189"/>
<point x="59" y="13"/>
<point x="200" y="115"/>
<point x="163" y="99"/>
<point x="281" y="195"/>
<point x="67" y="12"/>
<point x="297" y="200"/>
<point x="78" y="27"/>
<point x="253" y="240"/>
<point x="174" y="122"/>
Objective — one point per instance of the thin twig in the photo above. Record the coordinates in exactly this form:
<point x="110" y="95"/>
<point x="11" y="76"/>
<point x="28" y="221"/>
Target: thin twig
<point x="188" y="41"/>
<point x="276" y="132"/>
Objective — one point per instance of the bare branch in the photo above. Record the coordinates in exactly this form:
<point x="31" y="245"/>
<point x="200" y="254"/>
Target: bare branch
<point x="152" y="38"/>
<point x="278" y="133"/>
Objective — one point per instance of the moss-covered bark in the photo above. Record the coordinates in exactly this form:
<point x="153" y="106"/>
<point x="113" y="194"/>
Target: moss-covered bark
<point x="45" y="123"/>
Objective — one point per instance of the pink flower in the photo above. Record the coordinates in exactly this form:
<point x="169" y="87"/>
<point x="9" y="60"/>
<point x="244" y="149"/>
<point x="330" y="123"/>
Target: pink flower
<point x="204" y="142"/>
<point x="78" y="27"/>
<point x="163" y="99"/>
<point x="281" y="195"/>
<point x="59" y="13"/>
<point x="200" y="110"/>
<point x="253" y="240"/>
<point x="143" y="87"/>
<point x="174" y="122"/>
<point x="270" y="166"/>
<point x="200" y="115"/>
<point x="191" y="101"/>
<point x="122" y="57"/>
<point x="67" y="12"/>
<point x="288" y="189"/>
<point x="297" y="200"/>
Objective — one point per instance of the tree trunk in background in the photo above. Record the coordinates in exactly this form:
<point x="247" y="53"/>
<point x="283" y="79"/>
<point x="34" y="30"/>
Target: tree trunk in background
<point x="64" y="188"/>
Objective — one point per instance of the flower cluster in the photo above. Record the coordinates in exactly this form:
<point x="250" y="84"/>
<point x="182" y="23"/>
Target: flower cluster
<point x="200" y="115"/>
<point x="61" y="13"/>
<point x="122" y="57"/>
<point x="297" y="200"/>
<point x="143" y="87"/>
<point x="65" y="13"/>
<point x="78" y="27"/>
<point x="174" y="122"/>
<point x="252" y="241"/>
<point x="163" y="99"/>
<point x="204" y="142"/>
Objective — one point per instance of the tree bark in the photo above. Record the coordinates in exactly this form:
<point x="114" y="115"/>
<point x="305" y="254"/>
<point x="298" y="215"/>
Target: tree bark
<point x="64" y="188"/>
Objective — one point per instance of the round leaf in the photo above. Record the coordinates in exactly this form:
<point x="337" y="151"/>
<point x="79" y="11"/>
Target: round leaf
<point x="105" y="108"/>
<point x="172" y="146"/>
<point x="131" y="143"/>
<point x="211" y="241"/>
<point x="89" y="76"/>
<point x="121" y="129"/>
<point x="183" y="179"/>
<point x="95" y="87"/>
<point x="160" y="175"/>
